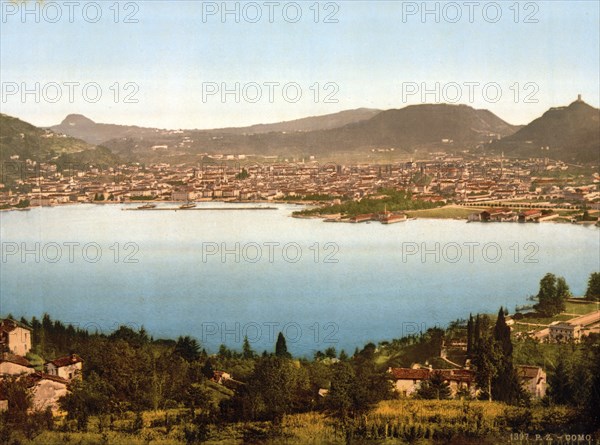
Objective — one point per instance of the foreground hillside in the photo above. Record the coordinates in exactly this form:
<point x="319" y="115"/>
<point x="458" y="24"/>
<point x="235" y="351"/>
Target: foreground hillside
<point x="395" y="422"/>
<point x="475" y="382"/>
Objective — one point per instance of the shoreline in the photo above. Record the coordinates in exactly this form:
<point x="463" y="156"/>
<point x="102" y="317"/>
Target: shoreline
<point x="411" y="214"/>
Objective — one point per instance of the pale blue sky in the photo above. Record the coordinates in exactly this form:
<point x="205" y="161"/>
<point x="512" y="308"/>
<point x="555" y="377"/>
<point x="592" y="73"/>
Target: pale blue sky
<point x="368" y="54"/>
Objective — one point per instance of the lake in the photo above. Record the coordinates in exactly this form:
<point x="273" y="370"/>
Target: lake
<point x="219" y="275"/>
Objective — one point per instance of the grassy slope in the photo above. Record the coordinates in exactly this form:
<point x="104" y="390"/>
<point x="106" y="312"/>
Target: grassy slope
<point x="392" y="416"/>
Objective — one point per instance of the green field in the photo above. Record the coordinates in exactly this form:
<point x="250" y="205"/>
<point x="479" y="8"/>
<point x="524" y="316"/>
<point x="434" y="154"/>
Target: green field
<point x="571" y="311"/>
<point x="545" y="320"/>
<point x="582" y="308"/>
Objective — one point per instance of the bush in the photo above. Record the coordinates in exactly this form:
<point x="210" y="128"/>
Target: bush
<point x="517" y="419"/>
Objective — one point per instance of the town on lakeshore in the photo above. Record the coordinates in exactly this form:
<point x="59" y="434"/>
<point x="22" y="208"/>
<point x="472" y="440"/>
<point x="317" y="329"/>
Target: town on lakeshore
<point x="535" y="189"/>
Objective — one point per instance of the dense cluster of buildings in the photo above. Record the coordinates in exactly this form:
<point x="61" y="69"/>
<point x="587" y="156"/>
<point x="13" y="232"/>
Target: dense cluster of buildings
<point x="440" y="179"/>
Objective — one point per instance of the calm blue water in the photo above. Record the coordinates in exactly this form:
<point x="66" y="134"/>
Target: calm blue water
<point x="353" y="283"/>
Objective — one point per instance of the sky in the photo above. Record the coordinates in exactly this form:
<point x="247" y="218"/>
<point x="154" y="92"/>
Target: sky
<point x="195" y="64"/>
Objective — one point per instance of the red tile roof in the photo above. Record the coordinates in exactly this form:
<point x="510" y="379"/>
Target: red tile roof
<point x="66" y="361"/>
<point x="35" y="378"/>
<point x="455" y="375"/>
<point x="410" y="374"/>
<point x="16" y="359"/>
<point x="9" y="325"/>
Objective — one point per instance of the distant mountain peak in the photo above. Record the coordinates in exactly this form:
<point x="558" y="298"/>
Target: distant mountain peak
<point x="580" y="103"/>
<point x="569" y="132"/>
<point x="77" y="119"/>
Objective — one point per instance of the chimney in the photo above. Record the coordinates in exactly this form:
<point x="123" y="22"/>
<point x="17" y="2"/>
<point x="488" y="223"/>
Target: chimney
<point x="579" y="98"/>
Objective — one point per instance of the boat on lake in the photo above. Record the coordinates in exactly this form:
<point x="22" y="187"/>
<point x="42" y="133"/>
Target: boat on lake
<point x="147" y="206"/>
<point x="187" y="206"/>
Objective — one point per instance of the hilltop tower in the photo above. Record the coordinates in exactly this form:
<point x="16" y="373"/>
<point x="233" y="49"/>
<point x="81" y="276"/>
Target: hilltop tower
<point x="579" y="99"/>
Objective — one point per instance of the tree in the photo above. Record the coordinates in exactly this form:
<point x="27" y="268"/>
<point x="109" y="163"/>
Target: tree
<point x="330" y="352"/>
<point x="280" y="385"/>
<point x="196" y="396"/>
<point x="187" y="348"/>
<point x="208" y="370"/>
<point x="435" y="387"/>
<point x="243" y="174"/>
<point x="470" y="327"/>
<point x="484" y="356"/>
<point x="546" y="295"/>
<point x="247" y="351"/>
<point x="340" y="402"/>
<point x="127" y="366"/>
<point x="281" y="347"/>
<point x="505" y="383"/>
<point x="373" y="383"/>
<point x="562" y="293"/>
<point x="485" y="359"/>
<point x="593" y="289"/>
<point x="356" y="387"/>
<point x="225" y="352"/>
<point x="129" y="335"/>
<point x="19" y="399"/>
<point x="495" y="373"/>
<point x="559" y="383"/>
<point x="89" y="397"/>
<point x="552" y="295"/>
<point x="502" y="335"/>
<point x="593" y="399"/>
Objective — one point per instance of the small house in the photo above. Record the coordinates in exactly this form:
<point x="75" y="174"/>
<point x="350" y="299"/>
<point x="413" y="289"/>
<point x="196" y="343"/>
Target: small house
<point x="15" y="337"/>
<point x="68" y="367"/>
<point x="533" y="380"/>
<point x="46" y="391"/>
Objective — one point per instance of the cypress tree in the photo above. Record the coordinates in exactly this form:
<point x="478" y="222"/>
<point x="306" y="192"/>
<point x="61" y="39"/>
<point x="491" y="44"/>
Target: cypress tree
<point x="559" y="382"/>
<point x="470" y="335"/>
<point x="502" y="335"/>
<point x="247" y="351"/>
<point x="505" y="385"/>
<point x="281" y="347"/>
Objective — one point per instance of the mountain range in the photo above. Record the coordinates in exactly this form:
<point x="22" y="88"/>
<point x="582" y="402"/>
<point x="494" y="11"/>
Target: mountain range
<point x="357" y="131"/>
<point x="568" y="133"/>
